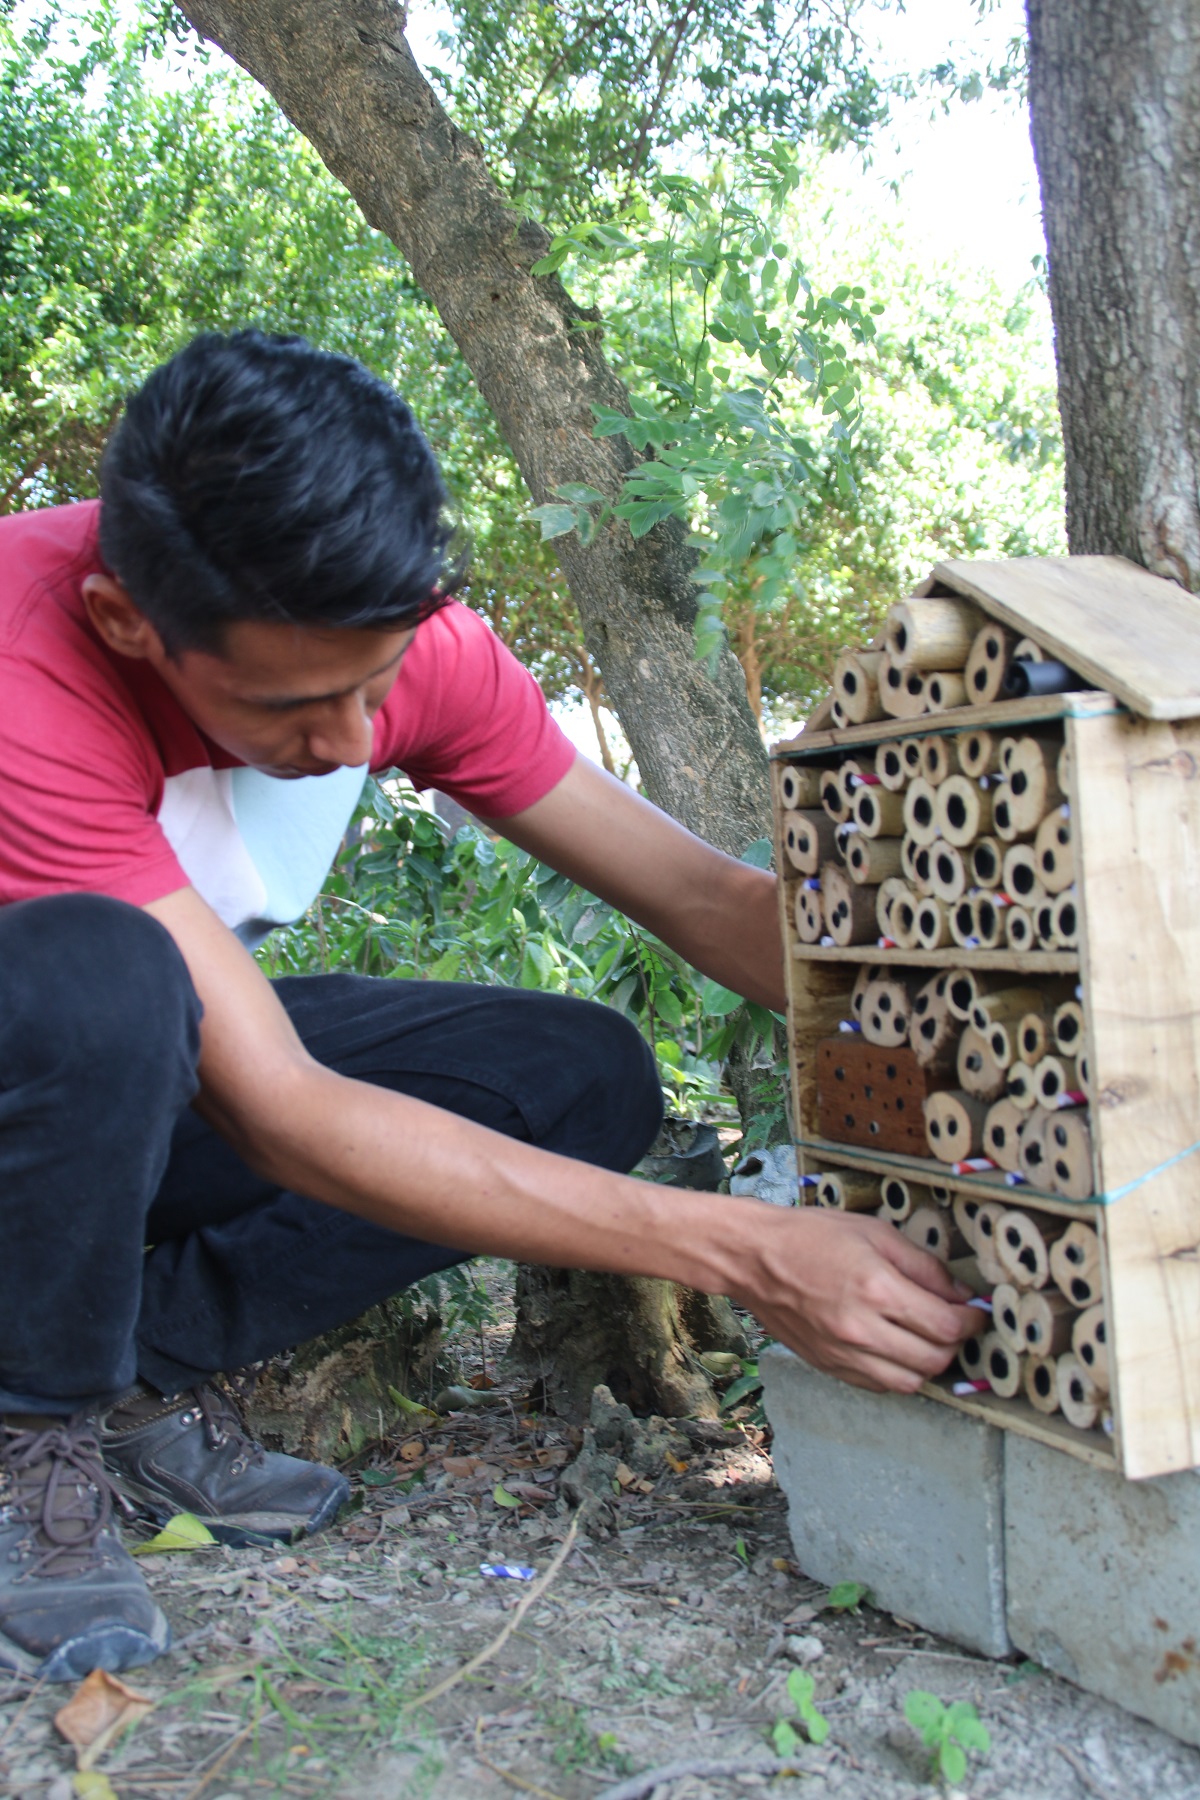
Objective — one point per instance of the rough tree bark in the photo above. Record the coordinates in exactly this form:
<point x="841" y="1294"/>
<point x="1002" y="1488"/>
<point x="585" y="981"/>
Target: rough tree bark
<point x="344" y="75"/>
<point x="1113" y="88"/>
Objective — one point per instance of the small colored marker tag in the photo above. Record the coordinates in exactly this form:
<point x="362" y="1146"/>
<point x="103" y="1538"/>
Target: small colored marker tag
<point x="1014" y="1178"/>
<point x="974" y="1165"/>
<point x="849" y="1025"/>
<point x="962" y="1388"/>
<point x="507" y="1571"/>
<point x="982" y="1302"/>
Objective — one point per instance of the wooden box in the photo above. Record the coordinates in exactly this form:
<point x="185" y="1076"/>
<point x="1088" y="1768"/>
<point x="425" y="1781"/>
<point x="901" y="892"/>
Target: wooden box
<point x="1131" y="774"/>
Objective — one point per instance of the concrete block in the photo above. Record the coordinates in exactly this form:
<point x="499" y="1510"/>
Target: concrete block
<point x="894" y="1491"/>
<point x="1104" y="1580"/>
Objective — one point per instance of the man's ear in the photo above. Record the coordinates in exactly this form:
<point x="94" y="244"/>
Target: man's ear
<point x="119" y="623"/>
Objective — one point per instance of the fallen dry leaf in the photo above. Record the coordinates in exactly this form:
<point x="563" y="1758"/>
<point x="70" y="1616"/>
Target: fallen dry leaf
<point x="461" y="1465"/>
<point x="624" y="1474"/>
<point x="99" y="1710"/>
<point x="678" y="1463"/>
<point x="412" y="1451"/>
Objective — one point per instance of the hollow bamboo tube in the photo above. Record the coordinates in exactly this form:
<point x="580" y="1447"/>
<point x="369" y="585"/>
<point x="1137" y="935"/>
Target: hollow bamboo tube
<point x="890" y="890"/>
<point x="1085" y="1080"/>
<point x="1033" y="1037"/>
<point x="901" y="691"/>
<point x="807" y="840"/>
<point x="1069" y="1154"/>
<point x="1026" y="650"/>
<point x="1063" y="769"/>
<point x="904" y="919"/>
<point x="970" y="1358"/>
<point x="873" y="859"/>
<point x="1003" y="1005"/>
<point x="1078" y="1395"/>
<point x="843" y="1190"/>
<point x="1075" y="1264"/>
<point x="1018" y="928"/>
<point x="1003" y="1042"/>
<point x="843" y="837"/>
<point x="1001" y="1366"/>
<point x="933" y="1033"/>
<point x="986" y="663"/>
<point x="954" y="1124"/>
<point x="965" y="987"/>
<point x="1042" y="914"/>
<point x="922" y="868"/>
<point x="939" y="759"/>
<point x="978" y="754"/>
<point x="987" y="911"/>
<point x="987" y="863"/>
<point x="942" y="1195"/>
<point x="1007" y="746"/>
<point x="1089" y="1342"/>
<point x="978" y="1072"/>
<point x="1022" y="1244"/>
<point x="809" y="915"/>
<point x="1068" y="1028"/>
<point x="962" y="922"/>
<point x="931" y="634"/>
<point x="964" y="810"/>
<point x="1040" y="1382"/>
<point x="920" y="811"/>
<point x="856" y="684"/>
<point x="1006" y="1322"/>
<point x="1032" y="1150"/>
<point x="1054" y="851"/>
<point x="1002" y="824"/>
<point x="849" y="909"/>
<point x="1033" y="783"/>
<point x="908" y="850"/>
<point x="929" y="1229"/>
<point x="886" y="1012"/>
<point x="1021" y="880"/>
<point x="833" y="799"/>
<point x="1046" y="1320"/>
<point x="900" y="1198"/>
<point x="837" y="717"/>
<point x="948" y="871"/>
<point x="912" y="750"/>
<point x="1064" y="930"/>
<point x="850" y="779"/>
<point x="1002" y="1135"/>
<point x="1053" y="1078"/>
<point x="966" y="1212"/>
<point x="799" y="787"/>
<point x="986" y="1221"/>
<point x="944" y="690"/>
<point x="878" y="812"/>
<point x="1020" y="1089"/>
<point x="933" y="923"/>
<point x="889" y="766"/>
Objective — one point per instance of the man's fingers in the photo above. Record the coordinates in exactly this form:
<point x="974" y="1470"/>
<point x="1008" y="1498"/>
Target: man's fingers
<point x="920" y="1267"/>
<point x="925" y="1299"/>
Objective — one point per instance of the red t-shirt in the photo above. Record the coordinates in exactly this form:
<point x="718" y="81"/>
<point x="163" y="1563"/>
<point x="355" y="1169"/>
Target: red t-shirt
<point x="106" y="785"/>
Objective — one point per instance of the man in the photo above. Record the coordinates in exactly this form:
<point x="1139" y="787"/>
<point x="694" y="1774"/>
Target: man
<point x="194" y="676"/>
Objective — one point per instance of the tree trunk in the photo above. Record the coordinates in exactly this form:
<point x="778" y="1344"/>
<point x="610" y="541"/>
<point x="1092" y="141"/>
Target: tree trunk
<point x="1113" y="88"/>
<point x="344" y="74"/>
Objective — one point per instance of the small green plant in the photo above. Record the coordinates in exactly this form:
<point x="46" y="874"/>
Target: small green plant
<point x="948" y="1732"/>
<point x="814" y="1725"/>
<point x="845" y="1596"/>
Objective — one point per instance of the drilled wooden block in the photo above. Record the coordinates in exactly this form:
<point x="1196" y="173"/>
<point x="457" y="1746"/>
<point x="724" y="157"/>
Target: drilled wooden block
<point x="872" y="1096"/>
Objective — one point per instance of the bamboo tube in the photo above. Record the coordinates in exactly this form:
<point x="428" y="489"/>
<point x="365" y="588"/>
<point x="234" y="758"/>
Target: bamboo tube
<point x="1007" y="746"/>
<point x="1003" y="1005"/>
<point x="1085" y="1080"/>
<point x="922" y="865"/>
<point x="966" y="1269"/>
<point x="939" y="759"/>
<point x="929" y="1229"/>
<point x="849" y="909"/>
<point x="964" y="810"/>
<point x="1075" y="1264"/>
<point x="1002" y="1041"/>
<point x="856" y="684"/>
<point x="850" y="779"/>
<point x="966" y="1212"/>
<point x="843" y="836"/>
<point x="942" y="1195"/>
<point x="1001" y="1366"/>
<point x="886" y="1012"/>
<point x="945" y="689"/>
<point x="1005" y="1319"/>
<point x="833" y="799"/>
<point x="908" y="850"/>
<point x="987" y="863"/>
<point x="1002" y="1135"/>
<point x="1078" y="1396"/>
<point x="1043" y="922"/>
<point x="1026" y="650"/>
<point x="1068" y="1028"/>
<point x="912" y="750"/>
<point x="1069" y="1153"/>
<point x="1053" y="1078"/>
<point x="987" y="663"/>
<point x="1033" y="1037"/>
<point x="1021" y="879"/>
<point x="978" y="754"/>
<point x="987" y="1220"/>
<point x="1020" y="1089"/>
<point x="889" y="766"/>
<point x="873" y="859"/>
<point x="1054" y="851"/>
<point x="1046" y="1320"/>
<point x="931" y="634"/>
<point x="1002" y="824"/>
<point x="1064" y="931"/>
<point x="1018" y="928"/>
<point x="1089" y="1342"/>
<point x="904" y="920"/>
<point x="900" y="1198"/>
<point x="845" y="1191"/>
<point x="965" y="988"/>
<point x="1032" y="1153"/>
<point x="954" y="1124"/>
<point x="807" y="840"/>
<point x="867" y="973"/>
<point x="920" y="811"/>
<point x="1022" y="1244"/>
<point x="933" y="923"/>
<point x="809" y="915"/>
<point x="1040" y="1382"/>
<point x="1063" y="769"/>
<point x="978" y="1072"/>
<point x="799" y="787"/>
<point x="988" y="914"/>
<point x="962" y="923"/>
<point x="837" y="717"/>
<point x="1033" y="783"/>
<point x="878" y="812"/>
<point x="890" y="890"/>
<point x="933" y="1032"/>
<point x="949" y="871"/>
<point x="901" y="691"/>
<point x="970" y="1358"/>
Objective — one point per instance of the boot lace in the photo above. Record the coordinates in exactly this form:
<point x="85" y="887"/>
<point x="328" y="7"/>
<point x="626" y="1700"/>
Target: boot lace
<point x="52" y="1479"/>
<point x="223" y="1426"/>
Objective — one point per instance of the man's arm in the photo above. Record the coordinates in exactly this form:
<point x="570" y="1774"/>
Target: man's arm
<point x="852" y="1296"/>
<point x="719" y="913"/>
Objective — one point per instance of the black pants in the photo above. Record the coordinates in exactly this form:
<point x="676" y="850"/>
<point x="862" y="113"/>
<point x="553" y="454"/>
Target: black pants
<point x="100" y="1154"/>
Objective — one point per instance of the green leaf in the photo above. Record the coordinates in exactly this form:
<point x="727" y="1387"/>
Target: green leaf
<point x="758" y="854"/>
<point x="579" y="494"/>
<point x="845" y="1596"/>
<point x="377" y="1478"/>
<point x="741" y="1389"/>
<point x="719" y="1000"/>
<point x="801" y="1687"/>
<point x="952" y="1762"/>
<point x="816" y="1724"/>
<point x="784" y="1738"/>
<point x="182" y="1532"/>
<point x="555" y="521"/>
<point x="923" y="1710"/>
<point x="502" y="1497"/>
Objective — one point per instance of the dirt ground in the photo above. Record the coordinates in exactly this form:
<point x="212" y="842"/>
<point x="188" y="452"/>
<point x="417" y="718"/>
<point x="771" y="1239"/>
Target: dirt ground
<point x="664" y="1636"/>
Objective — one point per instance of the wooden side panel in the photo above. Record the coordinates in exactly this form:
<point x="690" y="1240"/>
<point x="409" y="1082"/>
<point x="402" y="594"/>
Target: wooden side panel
<point x="1131" y="632"/>
<point x="1136" y="812"/>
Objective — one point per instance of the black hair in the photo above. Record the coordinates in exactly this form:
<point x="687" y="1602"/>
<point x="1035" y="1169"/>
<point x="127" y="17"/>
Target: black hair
<point x="255" y="477"/>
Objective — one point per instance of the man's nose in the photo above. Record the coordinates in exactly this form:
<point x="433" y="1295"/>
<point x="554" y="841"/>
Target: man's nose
<point x="343" y="734"/>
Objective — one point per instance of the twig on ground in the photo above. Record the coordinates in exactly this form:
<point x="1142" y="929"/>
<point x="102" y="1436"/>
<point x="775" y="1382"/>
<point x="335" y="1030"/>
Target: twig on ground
<point x="1089" y="1782"/>
<point x="234" y="1744"/>
<point x="514" y="1619"/>
<point x="31" y="1696"/>
<point x="517" y="1781"/>
<point x="639" y="1786"/>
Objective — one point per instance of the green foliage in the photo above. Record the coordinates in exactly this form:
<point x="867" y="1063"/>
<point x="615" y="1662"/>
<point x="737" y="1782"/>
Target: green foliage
<point x="949" y="1733"/>
<point x="748" y="1383"/>
<point x="815" y="1727"/>
<point x="845" y="1596"/>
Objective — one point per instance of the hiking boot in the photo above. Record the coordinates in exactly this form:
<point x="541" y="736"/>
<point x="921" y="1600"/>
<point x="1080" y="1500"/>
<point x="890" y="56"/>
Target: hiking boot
<point x="191" y="1453"/>
<point x="71" y="1599"/>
